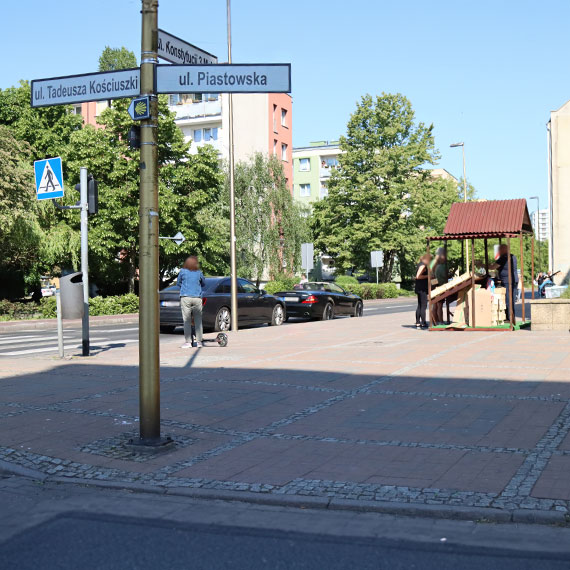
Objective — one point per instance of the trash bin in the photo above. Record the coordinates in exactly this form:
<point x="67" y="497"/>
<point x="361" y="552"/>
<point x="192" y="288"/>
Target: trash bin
<point x="71" y="290"/>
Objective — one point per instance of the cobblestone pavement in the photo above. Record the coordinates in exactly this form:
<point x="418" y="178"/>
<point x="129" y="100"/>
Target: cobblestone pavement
<point x="367" y="410"/>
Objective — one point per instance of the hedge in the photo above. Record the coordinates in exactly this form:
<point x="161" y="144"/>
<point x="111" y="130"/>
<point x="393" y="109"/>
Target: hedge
<point x="118" y="305"/>
<point x="346" y="281"/>
<point x="375" y="291"/>
<point x="283" y="284"/>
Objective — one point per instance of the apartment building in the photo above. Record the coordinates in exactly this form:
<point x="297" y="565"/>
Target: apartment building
<point x="558" y="131"/>
<point x="540" y="220"/>
<point x="262" y="123"/>
<point x="312" y="169"/>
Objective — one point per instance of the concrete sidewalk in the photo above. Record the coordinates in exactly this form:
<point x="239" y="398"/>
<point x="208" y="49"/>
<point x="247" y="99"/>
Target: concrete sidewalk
<point x="349" y="414"/>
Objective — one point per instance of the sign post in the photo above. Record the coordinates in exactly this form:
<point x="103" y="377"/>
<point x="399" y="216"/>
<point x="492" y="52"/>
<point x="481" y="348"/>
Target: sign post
<point x="307" y="255"/>
<point x="376" y="260"/>
<point x="149" y="367"/>
<point x="83" y="199"/>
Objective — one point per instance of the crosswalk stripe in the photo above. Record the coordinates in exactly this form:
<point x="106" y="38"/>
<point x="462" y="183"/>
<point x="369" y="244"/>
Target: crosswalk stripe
<point x="66" y="347"/>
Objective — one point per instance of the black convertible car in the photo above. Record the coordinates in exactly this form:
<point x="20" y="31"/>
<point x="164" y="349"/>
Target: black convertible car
<point x="254" y="306"/>
<point x="321" y="301"/>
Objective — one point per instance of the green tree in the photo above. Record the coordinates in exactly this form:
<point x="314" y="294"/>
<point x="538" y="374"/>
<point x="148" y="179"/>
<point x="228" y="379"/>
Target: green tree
<point x="46" y="129"/>
<point x="116" y="58"/>
<point x="189" y="198"/>
<point x="382" y="196"/>
<point x="270" y="226"/>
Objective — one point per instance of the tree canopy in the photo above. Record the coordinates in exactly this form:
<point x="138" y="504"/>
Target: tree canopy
<point x="383" y="195"/>
<point x="116" y="58"/>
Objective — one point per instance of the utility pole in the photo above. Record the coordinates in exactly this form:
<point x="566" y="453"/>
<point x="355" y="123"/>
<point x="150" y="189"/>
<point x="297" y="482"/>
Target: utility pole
<point x="462" y="145"/>
<point x="149" y="363"/>
<point x="83" y="200"/>
<point x="233" y="265"/>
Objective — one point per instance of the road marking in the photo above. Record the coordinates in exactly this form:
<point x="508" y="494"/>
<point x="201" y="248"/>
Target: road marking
<point x="67" y="347"/>
<point x="30" y="339"/>
<point x="388" y="307"/>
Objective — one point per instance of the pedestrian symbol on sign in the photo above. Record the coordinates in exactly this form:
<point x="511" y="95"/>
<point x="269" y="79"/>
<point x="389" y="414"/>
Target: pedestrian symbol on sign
<point x="49" y="178"/>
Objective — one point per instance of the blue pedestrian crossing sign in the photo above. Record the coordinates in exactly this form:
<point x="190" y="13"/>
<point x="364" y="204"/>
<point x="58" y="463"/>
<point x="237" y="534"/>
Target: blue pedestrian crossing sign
<point x="49" y="178"/>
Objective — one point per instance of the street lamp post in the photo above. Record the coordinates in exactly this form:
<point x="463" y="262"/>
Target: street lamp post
<point x="462" y="145"/>
<point x="538" y="227"/>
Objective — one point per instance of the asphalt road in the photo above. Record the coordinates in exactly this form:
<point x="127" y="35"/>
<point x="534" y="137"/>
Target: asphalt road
<point x="90" y="541"/>
<point x="29" y="342"/>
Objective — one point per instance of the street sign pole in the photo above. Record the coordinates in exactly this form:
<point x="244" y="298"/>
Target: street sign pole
<point x="233" y="265"/>
<point x="83" y="199"/>
<point x="149" y="371"/>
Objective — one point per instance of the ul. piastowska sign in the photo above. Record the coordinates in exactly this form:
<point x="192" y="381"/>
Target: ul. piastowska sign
<point x="213" y="78"/>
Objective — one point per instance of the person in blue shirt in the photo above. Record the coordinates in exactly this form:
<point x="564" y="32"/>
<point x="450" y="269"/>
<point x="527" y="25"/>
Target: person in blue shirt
<point x="191" y="282"/>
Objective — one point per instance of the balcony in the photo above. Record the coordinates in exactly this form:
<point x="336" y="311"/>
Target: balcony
<point x="197" y="110"/>
<point x="325" y="172"/>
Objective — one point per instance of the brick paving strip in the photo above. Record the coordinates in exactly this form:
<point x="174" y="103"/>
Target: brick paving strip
<point x="354" y="413"/>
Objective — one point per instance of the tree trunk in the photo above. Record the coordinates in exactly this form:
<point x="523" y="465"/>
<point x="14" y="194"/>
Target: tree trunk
<point x="132" y="272"/>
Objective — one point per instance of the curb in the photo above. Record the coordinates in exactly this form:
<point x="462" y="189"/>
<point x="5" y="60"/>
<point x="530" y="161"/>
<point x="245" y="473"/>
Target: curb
<point x="46" y="324"/>
<point x="476" y="514"/>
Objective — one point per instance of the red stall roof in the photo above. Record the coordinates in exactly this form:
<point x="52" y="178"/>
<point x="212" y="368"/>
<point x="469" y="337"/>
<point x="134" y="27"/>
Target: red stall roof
<point x="493" y="218"/>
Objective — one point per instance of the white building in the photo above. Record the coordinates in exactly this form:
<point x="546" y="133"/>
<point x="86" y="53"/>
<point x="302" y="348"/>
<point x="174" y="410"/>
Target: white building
<point x="541" y="223"/>
<point x="262" y="123"/>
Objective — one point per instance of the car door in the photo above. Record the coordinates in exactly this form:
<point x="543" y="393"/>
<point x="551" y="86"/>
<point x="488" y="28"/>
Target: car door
<point x="342" y="300"/>
<point x="248" y="300"/>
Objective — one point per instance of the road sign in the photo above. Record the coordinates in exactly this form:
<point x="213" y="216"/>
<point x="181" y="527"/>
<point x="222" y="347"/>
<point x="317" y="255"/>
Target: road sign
<point x="49" y="178"/>
<point x="85" y="87"/>
<point x="175" y="50"/>
<point x="139" y="109"/>
<point x="224" y="78"/>
<point x="307" y="254"/>
<point x="376" y="258"/>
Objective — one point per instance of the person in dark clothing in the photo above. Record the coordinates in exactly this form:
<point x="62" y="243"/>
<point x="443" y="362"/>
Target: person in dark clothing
<point x="509" y="283"/>
<point x="421" y="289"/>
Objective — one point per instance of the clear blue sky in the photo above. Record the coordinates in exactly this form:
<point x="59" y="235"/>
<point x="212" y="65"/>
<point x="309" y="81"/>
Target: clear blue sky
<point x="485" y="72"/>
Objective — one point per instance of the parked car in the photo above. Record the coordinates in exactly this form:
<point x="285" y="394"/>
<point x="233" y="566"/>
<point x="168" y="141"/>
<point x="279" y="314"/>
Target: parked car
<point x="48" y="291"/>
<point x="321" y="300"/>
<point x="255" y="306"/>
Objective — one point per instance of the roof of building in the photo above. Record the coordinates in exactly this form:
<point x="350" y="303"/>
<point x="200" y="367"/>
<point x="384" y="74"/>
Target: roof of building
<point x="493" y="218"/>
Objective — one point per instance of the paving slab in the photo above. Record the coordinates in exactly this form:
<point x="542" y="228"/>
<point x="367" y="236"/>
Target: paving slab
<point x="367" y="411"/>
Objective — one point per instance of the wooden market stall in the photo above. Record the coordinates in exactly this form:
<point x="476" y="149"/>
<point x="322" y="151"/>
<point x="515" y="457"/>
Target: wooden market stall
<point x="470" y="221"/>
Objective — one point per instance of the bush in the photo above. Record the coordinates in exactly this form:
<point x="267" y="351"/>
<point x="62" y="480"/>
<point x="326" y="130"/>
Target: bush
<point x="283" y="284"/>
<point x="46" y="309"/>
<point x="117" y="305"/>
<point x="566" y="294"/>
<point x="376" y="291"/>
<point x="346" y="282"/>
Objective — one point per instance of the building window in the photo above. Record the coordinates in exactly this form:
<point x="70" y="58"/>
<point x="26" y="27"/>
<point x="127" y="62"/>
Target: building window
<point x="329" y="162"/>
<point x="76" y="110"/>
<point x="304" y="164"/>
<point x="304" y="190"/>
<point x="211" y="96"/>
<point x="197" y="135"/>
<point x="283" y="152"/>
<point x="324" y="191"/>
<point x="283" y="117"/>
<point x="274" y="147"/>
<point x="210" y="134"/>
<point x="274" y="118"/>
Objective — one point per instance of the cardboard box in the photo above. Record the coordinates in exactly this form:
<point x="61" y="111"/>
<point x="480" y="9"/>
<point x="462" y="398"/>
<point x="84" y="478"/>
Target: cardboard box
<point x="482" y="308"/>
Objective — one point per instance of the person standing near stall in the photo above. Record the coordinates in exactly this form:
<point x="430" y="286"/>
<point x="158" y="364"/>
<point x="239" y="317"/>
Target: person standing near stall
<point x="509" y="282"/>
<point x="421" y="289"/>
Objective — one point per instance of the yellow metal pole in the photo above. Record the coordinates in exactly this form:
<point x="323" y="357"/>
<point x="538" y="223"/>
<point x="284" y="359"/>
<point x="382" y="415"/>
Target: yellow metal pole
<point x="233" y="265"/>
<point x="149" y="367"/>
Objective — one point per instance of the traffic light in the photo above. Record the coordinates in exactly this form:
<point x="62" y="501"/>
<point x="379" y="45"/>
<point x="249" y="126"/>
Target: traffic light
<point x="92" y="195"/>
<point x="134" y="138"/>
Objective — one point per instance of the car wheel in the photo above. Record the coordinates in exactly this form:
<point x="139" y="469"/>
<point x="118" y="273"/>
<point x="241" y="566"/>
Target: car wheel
<point x="166" y="329"/>
<point x="278" y="316"/>
<point x="328" y="312"/>
<point x="358" y="310"/>
<point x="223" y="320"/>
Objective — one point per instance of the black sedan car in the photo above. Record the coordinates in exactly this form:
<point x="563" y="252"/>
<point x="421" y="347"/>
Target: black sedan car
<point x="254" y="306"/>
<point x="322" y="301"/>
